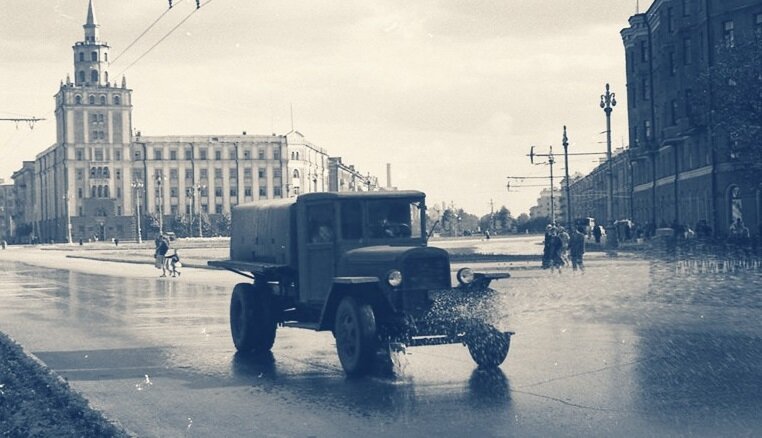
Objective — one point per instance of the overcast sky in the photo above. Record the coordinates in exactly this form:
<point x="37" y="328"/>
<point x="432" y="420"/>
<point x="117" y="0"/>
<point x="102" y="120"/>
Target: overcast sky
<point x="452" y="93"/>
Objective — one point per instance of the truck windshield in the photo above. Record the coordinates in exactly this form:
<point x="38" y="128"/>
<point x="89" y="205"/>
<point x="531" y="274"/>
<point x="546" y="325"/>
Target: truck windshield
<point x="394" y="219"/>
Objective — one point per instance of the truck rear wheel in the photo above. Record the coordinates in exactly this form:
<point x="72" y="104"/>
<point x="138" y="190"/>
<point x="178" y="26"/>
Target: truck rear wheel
<point x="252" y="321"/>
<point x="356" y="336"/>
<point x="487" y="345"/>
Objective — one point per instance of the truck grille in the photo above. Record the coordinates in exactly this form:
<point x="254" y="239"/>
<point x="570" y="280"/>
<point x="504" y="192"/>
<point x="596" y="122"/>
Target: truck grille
<point x="426" y="273"/>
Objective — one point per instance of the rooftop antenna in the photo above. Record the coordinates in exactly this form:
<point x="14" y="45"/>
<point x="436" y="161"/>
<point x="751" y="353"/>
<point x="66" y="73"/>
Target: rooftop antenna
<point x="292" y="117"/>
<point x="637" y="6"/>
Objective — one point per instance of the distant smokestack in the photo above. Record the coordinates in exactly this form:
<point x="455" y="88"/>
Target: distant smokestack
<point x="389" y="175"/>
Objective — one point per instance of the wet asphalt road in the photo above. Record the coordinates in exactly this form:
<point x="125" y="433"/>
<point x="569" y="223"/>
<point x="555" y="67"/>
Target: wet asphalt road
<point x="632" y="348"/>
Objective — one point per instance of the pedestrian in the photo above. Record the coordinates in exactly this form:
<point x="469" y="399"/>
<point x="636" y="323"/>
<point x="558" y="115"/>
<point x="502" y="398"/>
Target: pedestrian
<point x="577" y="250"/>
<point x="564" y="236"/>
<point x="174" y="263"/>
<point x="597" y="233"/>
<point x="546" y="254"/>
<point x="556" y="248"/>
<point x="161" y="251"/>
<point x="116" y="241"/>
<point x="4" y="244"/>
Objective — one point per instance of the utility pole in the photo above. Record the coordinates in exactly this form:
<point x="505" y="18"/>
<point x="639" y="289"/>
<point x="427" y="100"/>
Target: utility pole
<point x="160" y="185"/>
<point x="30" y="121"/>
<point x="492" y="215"/>
<point x="138" y="186"/>
<point x="551" y="160"/>
<point x="66" y="199"/>
<point x="565" y="142"/>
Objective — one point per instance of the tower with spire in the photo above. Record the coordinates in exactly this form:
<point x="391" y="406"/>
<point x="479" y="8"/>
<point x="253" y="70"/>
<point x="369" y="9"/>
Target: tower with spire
<point x="93" y="139"/>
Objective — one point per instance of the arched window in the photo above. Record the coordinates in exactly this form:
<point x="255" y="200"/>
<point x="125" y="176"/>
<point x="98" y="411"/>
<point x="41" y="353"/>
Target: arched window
<point x="296" y="173"/>
<point x="82" y="56"/>
<point x="103" y="100"/>
<point x="81" y="76"/>
<point x="105" y="56"/>
<point x="297" y="155"/>
<point x="93" y="56"/>
<point x="91" y="100"/>
<point x="78" y="99"/>
<point x="99" y="172"/>
<point x="94" y="76"/>
<point x="92" y="172"/>
<point x="105" y="172"/>
<point x="93" y="192"/>
<point x="105" y="192"/>
<point x="100" y="191"/>
<point x="105" y="77"/>
<point x="117" y="100"/>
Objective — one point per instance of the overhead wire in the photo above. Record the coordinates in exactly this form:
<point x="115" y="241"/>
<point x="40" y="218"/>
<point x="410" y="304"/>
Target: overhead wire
<point x="144" y="32"/>
<point x="187" y="17"/>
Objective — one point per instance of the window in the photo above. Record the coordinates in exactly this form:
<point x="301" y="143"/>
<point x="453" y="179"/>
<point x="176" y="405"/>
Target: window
<point x="218" y="174"/>
<point x="647" y="126"/>
<point x="646" y="87"/>
<point x="261" y="153"/>
<point x="157" y="154"/>
<point x="247" y="173"/>
<point x="105" y="57"/>
<point x="218" y="192"/>
<point x="79" y="154"/>
<point x="233" y="155"/>
<point x="262" y="191"/>
<point x="261" y="172"/>
<point x="277" y="192"/>
<point x="320" y="223"/>
<point x="117" y="100"/>
<point x="233" y="191"/>
<point x="643" y="51"/>
<point x="81" y="76"/>
<point x="137" y="154"/>
<point x="188" y="153"/>
<point x="728" y="33"/>
<point x="202" y="153"/>
<point x="246" y="154"/>
<point x="118" y="155"/>
<point x="296" y="174"/>
<point x="80" y="174"/>
<point x="247" y="191"/>
<point x="118" y="174"/>
<point x="106" y="173"/>
<point x="204" y="173"/>
<point x="188" y="174"/>
<point x="93" y="56"/>
<point x="277" y="172"/>
<point x="687" y="54"/>
<point x="173" y="155"/>
<point x="217" y="155"/>
<point x="670" y="21"/>
<point x="173" y="192"/>
<point x="392" y="219"/>
<point x="173" y="174"/>
<point x="276" y="153"/>
<point x="205" y="208"/>
<point x="78" y="99"/>
<point x="90" y="99"/>
<point x="233" y="173"/>
<point x="94" y="76"/>
<point x="82" y="56"/>
<point x="218" y="208"/>
<point x="99" y="154"/>
<point x="79" y="193"/>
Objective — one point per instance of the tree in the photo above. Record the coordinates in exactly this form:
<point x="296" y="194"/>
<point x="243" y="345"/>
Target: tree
<point x="731" y="88"/>
<point x="521" y="222"/>
<point x="503" y="219"/>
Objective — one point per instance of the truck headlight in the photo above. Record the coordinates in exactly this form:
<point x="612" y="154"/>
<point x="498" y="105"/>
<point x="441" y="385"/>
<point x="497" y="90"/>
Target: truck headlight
<point x="465" y="276"/>
<point x="394" y="278"/>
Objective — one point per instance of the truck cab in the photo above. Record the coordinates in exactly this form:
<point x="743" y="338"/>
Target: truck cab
<point x="357" y="264"/>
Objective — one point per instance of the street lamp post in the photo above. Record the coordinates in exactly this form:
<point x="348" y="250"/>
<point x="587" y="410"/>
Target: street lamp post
<point x="199" y="188"/>
<point x="551" y="161"/>
<point x="608" y="102"/>
<point x="565" y="141"/>
<point x="138" y="186"/>
<point x="159" y="181"/>
<point x="191" y="192"/>
<point x="66" y="199"/>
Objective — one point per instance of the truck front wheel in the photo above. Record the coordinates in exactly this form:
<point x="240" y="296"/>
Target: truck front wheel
<point x="356" y="335"/>
<point x="487" y="345"/>
<point x="252" y="322"/>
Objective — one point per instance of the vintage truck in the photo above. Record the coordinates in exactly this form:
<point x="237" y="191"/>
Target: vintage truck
<point x="356" y="264"/>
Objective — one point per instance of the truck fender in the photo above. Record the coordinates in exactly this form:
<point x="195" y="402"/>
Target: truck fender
<point x="365" y="288"/>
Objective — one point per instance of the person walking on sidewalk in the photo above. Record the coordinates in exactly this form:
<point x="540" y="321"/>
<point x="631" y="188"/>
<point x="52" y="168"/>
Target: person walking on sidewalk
<point x="162" y="246"/>
<point x="577" y="250"/>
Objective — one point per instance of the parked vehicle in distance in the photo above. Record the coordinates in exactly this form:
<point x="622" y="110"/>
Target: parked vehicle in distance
<point x="356" y="264"/>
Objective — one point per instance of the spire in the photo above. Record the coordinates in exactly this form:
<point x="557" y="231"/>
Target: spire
<point x="91" y="27"/>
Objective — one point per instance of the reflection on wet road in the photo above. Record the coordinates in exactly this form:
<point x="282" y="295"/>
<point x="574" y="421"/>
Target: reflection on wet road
<point x="631" y="348"/>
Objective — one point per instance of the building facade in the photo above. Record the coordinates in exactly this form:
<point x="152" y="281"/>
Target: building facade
<point x="683" y="166"/>
<point x="102" y="181"/>
<point x="589" y="193"/>
<point x="7" y="211"/>
<point x="548" y="204"/>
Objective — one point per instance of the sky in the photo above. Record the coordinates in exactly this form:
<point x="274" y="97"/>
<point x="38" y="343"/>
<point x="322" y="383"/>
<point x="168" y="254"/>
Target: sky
<point x="452" y="93"/>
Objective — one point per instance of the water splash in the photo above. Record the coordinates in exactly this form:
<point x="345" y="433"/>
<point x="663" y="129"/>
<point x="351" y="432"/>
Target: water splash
<point x="145" y="384"/>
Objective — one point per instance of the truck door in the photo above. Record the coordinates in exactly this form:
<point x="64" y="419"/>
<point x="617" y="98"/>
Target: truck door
<point x="317" y="277"/>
